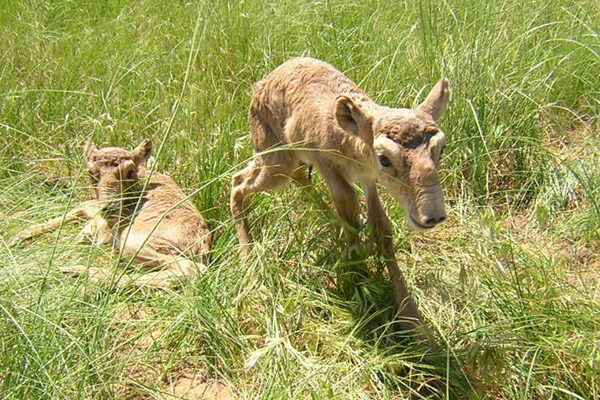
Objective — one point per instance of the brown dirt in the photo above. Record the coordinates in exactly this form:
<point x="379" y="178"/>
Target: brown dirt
<point x="149" y="367"/>
<point x="566" y="140"/>
<point x="582" y="265"/>
<point x="191" y="386"/>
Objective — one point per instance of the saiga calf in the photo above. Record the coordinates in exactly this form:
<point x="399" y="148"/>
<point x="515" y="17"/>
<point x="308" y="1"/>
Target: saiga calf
<point x="141" y="214"/>
<point x="307" y="103"/>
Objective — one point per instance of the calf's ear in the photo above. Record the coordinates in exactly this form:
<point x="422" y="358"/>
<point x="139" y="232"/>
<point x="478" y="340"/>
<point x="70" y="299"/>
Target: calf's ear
<point x="142" y="152"/>
<point x="89" y="148"/>
<point x="353" y="119"/>
<point x="437" y="100"/>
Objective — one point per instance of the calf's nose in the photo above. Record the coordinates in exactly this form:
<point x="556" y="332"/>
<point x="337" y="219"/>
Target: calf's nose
<point x="433" y="219"/>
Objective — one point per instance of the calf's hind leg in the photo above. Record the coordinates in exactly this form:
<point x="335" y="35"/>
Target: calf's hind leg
<point x="267" y="172"/>
<point x="178" y="269"/>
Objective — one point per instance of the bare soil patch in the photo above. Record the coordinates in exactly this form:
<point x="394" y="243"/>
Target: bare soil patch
<point x="192" y="386"/>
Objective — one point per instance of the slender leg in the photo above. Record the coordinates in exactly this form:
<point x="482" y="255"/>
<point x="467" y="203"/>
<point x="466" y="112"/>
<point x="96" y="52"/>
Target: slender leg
<point x="347" y="207"/>
<point x="87" y="210"/>
<point x="96" y="231"/>
<point x="268" y="172"/>
<point x="178" y="270"/>
<point x="238" y="203"/>
<point x="345" y="201"/>
<point x="407" y="311"/>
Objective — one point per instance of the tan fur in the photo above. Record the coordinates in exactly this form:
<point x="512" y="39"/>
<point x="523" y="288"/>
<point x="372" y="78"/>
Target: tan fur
<point x="306" y="112"/>
<point x="143" y="216"/>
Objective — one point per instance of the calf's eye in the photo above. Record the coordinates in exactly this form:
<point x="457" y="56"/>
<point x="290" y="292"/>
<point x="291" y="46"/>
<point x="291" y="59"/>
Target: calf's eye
<point x="384" y="161"/>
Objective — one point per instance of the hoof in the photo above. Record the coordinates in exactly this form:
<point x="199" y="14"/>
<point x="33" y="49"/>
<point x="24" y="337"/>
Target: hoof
<point x="15" y="241"/>
<point x="95" y="274"/>
<point x="20" y="239"/>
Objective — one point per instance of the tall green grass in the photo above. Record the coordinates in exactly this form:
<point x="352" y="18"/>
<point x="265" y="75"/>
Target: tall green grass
<point x="509" y="285"/>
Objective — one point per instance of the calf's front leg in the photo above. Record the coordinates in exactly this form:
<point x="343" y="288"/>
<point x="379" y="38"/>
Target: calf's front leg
<point x="407" y="311"/>
<point x="96" y="231"/>
<point x="344" y="199"/>
<point x="86" y="210"/>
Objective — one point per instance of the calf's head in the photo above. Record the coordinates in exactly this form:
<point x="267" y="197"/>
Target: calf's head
<point x="408" y="145"/>
<point x="113" y="171"/>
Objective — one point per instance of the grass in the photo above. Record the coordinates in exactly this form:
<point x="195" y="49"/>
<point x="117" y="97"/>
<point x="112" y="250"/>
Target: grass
<point x="510" y="284"/>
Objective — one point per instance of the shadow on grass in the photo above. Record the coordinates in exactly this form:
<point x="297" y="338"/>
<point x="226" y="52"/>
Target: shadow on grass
<point x="364" y="290"/>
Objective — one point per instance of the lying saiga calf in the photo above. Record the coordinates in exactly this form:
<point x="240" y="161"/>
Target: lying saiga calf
<point x="141" y="214"/>
<point x="307" y="103"/>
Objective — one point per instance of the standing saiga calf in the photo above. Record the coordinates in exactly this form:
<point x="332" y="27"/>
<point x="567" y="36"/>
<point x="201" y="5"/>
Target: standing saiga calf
<point x="308" y="104"/>
<point x="141" y="214"/>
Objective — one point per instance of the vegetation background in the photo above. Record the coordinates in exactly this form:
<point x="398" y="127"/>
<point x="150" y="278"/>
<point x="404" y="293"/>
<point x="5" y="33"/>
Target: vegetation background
<point x="510" y="284"/>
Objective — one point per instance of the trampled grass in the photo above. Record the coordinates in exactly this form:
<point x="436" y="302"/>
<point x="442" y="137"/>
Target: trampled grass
<point x="510" y="285"/>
